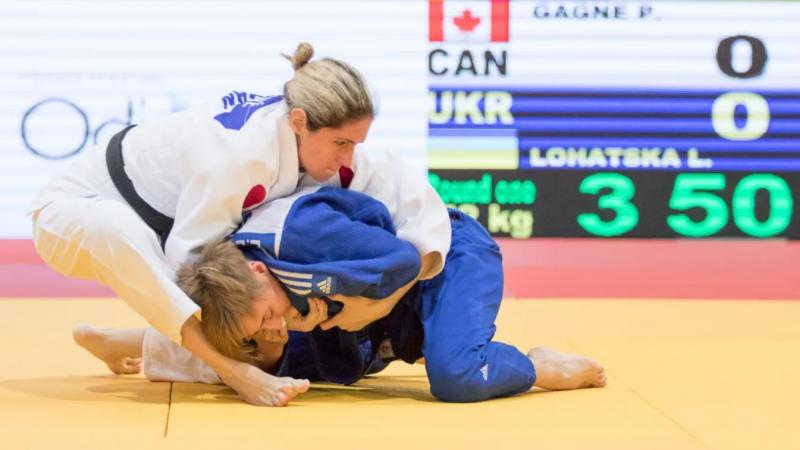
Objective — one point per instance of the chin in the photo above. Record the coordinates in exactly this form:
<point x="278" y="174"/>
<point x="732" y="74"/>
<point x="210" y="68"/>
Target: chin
<point x="322" y="175"/>
<point x="318" y="177"/>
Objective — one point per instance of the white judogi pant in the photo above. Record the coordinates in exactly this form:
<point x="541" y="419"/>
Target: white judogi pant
<point x="164" y="360"/>
<point x="84" y="229"/>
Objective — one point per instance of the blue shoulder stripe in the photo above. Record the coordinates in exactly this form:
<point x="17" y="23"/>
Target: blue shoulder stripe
<point x="244" y="105"/>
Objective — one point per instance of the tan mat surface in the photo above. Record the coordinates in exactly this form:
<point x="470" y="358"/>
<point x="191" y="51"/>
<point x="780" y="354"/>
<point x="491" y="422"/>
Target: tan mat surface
<point x="683" y="375"/>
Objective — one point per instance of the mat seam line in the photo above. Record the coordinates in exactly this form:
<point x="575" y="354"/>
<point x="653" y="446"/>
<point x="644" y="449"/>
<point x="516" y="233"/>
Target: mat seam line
<point x="169" y="409"/>
<point x="649" y="404"/>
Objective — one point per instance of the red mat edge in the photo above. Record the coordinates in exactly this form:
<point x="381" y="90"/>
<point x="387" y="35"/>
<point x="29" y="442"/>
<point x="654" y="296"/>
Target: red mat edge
<point x="544" y="268"/>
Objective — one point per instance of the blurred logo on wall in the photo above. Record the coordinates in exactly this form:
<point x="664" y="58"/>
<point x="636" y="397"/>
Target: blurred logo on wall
<point x="57" y="128"/>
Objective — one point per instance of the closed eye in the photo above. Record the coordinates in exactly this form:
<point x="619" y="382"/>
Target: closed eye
<point x="252" y="336"/>
<point x="343" y="141"/>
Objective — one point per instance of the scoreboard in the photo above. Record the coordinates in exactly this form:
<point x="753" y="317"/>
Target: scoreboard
<point x="617" y="119"/>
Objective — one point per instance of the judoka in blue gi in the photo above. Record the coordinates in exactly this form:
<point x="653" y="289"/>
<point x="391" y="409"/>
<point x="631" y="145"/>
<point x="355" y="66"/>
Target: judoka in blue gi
<point x="325" y="242"/>
<point x="339" y="242"/>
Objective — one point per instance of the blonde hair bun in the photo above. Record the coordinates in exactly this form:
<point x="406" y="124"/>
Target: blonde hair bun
<point x="331" y="92"/>
<point x="301" y="56"/>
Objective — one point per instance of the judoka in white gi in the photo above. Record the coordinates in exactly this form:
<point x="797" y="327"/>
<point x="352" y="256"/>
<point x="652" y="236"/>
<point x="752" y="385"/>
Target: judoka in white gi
<point x="181" y="181"/>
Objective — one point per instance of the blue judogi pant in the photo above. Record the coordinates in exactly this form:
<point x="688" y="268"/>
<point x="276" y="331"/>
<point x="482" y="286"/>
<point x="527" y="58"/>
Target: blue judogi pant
<point x="458" y="309"/>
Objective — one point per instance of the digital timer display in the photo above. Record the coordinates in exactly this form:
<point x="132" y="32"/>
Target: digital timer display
<point x="620" y="119"/>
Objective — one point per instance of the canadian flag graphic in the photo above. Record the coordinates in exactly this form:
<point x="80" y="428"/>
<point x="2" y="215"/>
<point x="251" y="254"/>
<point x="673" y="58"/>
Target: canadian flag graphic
<point x="465" y="20"/>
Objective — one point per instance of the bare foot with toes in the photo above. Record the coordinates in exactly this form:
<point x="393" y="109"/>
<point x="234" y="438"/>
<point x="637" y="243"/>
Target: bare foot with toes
<point x="562" y="371"/>
<point x="101" y="343"/>
<point x="259" y="388"/>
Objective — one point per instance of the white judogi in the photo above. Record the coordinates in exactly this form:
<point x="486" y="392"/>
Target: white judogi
<point x="198" y="166"/>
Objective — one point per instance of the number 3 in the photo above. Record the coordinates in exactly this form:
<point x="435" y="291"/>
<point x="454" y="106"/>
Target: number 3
<point x="618" y="200"/>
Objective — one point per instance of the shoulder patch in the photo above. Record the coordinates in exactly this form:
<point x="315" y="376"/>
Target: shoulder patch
<point x="255" y="197"/>
<point x="345" y="176"/>
<point x="240" y="106"/>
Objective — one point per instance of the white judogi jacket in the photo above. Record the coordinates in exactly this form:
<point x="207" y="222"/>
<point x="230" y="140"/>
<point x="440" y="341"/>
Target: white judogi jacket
<point x="203" y="165"/>
<point x="199" y="169"/>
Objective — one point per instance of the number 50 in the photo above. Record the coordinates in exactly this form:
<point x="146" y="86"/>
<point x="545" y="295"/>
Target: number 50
<point x="689" y="193"/>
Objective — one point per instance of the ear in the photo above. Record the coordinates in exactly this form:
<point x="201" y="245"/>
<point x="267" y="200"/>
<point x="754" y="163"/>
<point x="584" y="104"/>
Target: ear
<point x="257" y="266"/>
<point x="298" y="120"/>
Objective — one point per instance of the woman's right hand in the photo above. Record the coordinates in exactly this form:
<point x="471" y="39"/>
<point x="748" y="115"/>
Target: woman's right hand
<point x="317" y="313"/>
<point x="251" y="383"/>
<point x="260" y="388"/>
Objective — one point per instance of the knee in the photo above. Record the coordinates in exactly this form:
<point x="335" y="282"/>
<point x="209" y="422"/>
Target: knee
<point x="458" y="378"/>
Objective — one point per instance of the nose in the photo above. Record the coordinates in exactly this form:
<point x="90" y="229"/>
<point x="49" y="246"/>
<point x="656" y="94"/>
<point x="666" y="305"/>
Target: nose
<point x="346" y="159"/>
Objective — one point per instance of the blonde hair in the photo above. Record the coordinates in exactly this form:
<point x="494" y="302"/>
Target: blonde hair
<point x="221" y="283"/>
<point x="331" y="92"/>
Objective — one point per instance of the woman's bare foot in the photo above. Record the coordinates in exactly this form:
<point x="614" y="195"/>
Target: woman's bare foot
<point x="561" y="371"/>
<point x="116" y="348"/>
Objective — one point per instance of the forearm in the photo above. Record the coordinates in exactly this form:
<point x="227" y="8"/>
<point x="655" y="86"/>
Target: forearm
<point x="385" y="305"/>
<point x="359" y="312"/>
<point x="195" y="341"/>
<point x="428" y="261"/>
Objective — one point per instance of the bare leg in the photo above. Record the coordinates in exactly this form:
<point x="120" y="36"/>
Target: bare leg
<point x="121" y="350"/>
<point x="562" y="371"/>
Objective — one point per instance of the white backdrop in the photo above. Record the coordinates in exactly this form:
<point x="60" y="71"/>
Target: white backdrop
<point x="110" y="59"/>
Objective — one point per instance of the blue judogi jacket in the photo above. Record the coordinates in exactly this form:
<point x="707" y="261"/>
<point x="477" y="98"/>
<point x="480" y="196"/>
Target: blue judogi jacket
<point x="324" y="241"/>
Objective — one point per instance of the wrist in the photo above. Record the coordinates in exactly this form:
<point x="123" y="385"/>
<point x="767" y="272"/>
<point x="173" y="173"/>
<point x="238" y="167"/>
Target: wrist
<point x="195" y="341"/>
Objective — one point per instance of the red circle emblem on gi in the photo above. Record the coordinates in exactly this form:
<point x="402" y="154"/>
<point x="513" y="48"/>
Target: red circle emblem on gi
<point x="345" y="176"/>
<point x="256" y="196"/>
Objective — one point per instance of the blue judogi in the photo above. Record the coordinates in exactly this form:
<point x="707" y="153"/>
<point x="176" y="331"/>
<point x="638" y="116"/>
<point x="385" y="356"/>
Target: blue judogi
<point x="458" y="309"/>
<point x="333" y="241"/>
<point x="325" y="241"/>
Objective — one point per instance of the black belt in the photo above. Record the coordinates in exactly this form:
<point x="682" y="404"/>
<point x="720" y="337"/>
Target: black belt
<point x="160" y="223"/>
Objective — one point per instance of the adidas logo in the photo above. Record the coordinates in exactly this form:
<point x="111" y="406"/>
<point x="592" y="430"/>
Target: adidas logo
<point x="485" y="372"/>
<point x="325" y="286"/>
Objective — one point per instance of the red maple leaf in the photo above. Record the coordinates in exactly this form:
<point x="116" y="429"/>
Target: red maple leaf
<point x="466" y="22"/>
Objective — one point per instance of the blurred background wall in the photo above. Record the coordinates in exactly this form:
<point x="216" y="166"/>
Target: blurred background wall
<point x="559" y="119"/>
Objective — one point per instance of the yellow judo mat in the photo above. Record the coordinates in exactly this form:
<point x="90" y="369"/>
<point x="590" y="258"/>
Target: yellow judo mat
<point x="682" y="375"/>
